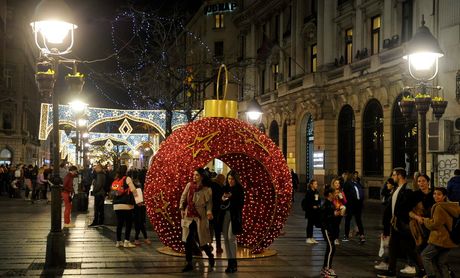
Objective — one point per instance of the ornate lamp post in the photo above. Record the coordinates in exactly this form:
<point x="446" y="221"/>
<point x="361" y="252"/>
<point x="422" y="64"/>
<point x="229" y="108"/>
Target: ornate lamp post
<point x="423" y="52"/>
<point x="254" y="112"/>
<point x="78" y="107"/>
<point x="51" y="26"/>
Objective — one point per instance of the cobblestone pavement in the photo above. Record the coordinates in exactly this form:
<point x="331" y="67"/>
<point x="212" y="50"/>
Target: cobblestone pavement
<point x="91" y="251"/>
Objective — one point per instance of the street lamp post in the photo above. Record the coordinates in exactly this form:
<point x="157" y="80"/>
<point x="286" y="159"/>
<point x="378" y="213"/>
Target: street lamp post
<point x="51" y="25"/>
<point x="254" y="112"/>
<point x="423" y="52"/>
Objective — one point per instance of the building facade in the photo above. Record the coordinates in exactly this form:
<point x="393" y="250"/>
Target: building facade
<point x="330" y="75"/>
<point x="19" y="98"/>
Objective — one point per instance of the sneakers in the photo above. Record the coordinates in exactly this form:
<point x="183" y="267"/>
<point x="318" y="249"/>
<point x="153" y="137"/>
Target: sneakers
<point x="328" y="272"/>
<point x="381" y="266"/>
<point x="147" y="241"/>
<point x="137" y="242"/>
<point x="362" y="239"/>
<point x="128" y="244"/>
<point x="408" y="270"/>
<point x="337" y="242"/>
<point x="345" y="238"/>
<point x="119" y="244"/>
<point x="311" y="240"/>
<point x="69" y="225"/>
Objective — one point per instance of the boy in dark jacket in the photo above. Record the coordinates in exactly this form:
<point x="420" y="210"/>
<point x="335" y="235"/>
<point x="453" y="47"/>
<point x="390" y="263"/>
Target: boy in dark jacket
<point x="328" y="229"/>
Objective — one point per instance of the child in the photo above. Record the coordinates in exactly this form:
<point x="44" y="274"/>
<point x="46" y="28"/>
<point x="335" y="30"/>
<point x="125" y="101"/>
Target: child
<point x="311" y="205"/>
<point x="139" y="221"/>
<point x="329" y="230"/>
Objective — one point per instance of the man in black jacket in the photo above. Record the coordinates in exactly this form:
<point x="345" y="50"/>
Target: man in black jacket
<point x="401" y="240"/>
<point x="99" y="196"/>
<point x="355" y="201"/>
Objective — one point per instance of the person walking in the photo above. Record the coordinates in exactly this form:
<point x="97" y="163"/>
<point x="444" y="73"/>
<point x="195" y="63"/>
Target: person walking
<point x="67" y="194"/>
<point x="140" y="215"/>
<point x="215" y="225"/>
<point x="453" y="187"/>
<point x="435" y="255"/>
<point x="196" y="210"/>
<point x="329" y="213"/>
<point x="401" y="240"/>
<point x="99" y="196"/>
<point x="124" y="191"/>
<point x="355" y="202"/>
<point x="232" y="209"/>
<point x="339" y="202"/>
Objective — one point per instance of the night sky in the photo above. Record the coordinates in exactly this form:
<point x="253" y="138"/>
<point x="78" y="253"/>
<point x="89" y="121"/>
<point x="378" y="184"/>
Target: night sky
<point x="93" y="40"/>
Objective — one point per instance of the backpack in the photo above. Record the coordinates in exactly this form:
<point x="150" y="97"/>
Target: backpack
<point x="119" y="187"/>
<point x="455" y="233"/>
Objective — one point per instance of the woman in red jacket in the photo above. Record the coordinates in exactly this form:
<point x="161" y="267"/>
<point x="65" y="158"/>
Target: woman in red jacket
<point x="66" y="194"/>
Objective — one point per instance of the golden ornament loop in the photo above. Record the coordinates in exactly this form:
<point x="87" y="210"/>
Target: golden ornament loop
<point x="226" y="81"/>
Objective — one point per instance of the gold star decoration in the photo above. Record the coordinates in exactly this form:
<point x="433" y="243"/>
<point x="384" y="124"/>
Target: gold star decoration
<point x="163" y="207"/>
<point x="201" y="143"/>
<point x="251" y="137"/>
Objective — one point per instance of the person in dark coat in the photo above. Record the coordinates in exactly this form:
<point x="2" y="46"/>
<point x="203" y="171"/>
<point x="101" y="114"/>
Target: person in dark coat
<point x="232" y="203"/>
<point x="99" y="196"/>
<point x="311" y="205"/>
<point x="215" y="225"/>
<point x="453" y="187"/>
<point x="355" y="198"/>
<point x="401" y="241"/>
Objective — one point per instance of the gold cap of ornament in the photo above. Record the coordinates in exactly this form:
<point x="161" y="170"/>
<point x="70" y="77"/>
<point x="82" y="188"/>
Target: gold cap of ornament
<point x="221" y="108"/>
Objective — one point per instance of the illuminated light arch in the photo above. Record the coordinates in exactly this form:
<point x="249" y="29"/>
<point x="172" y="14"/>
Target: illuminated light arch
<point x="155" y="118"/>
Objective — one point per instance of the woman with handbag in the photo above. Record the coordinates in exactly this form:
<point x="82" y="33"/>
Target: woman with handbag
<point x="232" y="212"/>
<point x="124" y="191"/>
<point x="196" y="210"/>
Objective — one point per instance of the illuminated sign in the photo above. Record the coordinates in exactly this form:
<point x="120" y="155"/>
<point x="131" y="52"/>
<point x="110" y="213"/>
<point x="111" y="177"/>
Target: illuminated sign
<point x="220" y="8"/>
<point x="318" y="159"/>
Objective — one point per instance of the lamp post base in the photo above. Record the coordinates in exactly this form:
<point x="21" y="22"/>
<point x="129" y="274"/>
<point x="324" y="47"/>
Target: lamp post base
<point x="55" y="250"/>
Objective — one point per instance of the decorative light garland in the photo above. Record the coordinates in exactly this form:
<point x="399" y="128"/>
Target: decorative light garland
<point x="263" y="172"/>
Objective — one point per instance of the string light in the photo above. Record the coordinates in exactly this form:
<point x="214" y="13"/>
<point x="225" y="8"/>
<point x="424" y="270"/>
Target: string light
<point x="263" y="172"/>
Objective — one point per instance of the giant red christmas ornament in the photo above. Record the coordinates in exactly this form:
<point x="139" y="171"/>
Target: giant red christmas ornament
<point x="263" y="172"/>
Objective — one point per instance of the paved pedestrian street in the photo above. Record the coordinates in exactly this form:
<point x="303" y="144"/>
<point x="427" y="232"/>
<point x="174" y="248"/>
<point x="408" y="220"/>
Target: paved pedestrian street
<point x="92" y="251"/>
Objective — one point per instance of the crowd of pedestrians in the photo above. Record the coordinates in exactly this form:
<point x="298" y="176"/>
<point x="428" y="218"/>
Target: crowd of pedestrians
<point x="417" y="221"/>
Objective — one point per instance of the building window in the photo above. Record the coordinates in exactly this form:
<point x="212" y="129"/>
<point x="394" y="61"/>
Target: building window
<point x="219" y="49"/>
<point x="348" y="46"/>
<point x="8" y="78"/>
<point x="406" y="32"/>
<point x="310" y="138"/>
<point x="219" y="21"/>
<point x="346" y="140"/>
<point x="285" y="139"/>
<point x="274" y="133"/>
<point x="375" y="35"/>
<point x="276" y="75"/>
<point x="243" y="47"/>
<point x="405" y="135"/>
<point x="314" y="58"/>
<point x="262" y="82"/>
<point x="289" y="67"/>
<point x="7" y="120"/>
<point x="373" y="139"/>
<point x="277" y="28"/>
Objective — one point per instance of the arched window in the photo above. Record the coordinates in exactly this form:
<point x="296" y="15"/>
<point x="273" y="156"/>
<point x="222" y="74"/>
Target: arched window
<point x="346" y="140"/>
<point x="285" y="139"/>
<point x="5" y="157"/>
<point x="404" y="143"/>
<point x="309" y="149"/>
<point x="373" y="139"/>
<point x="274" y="133"/>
